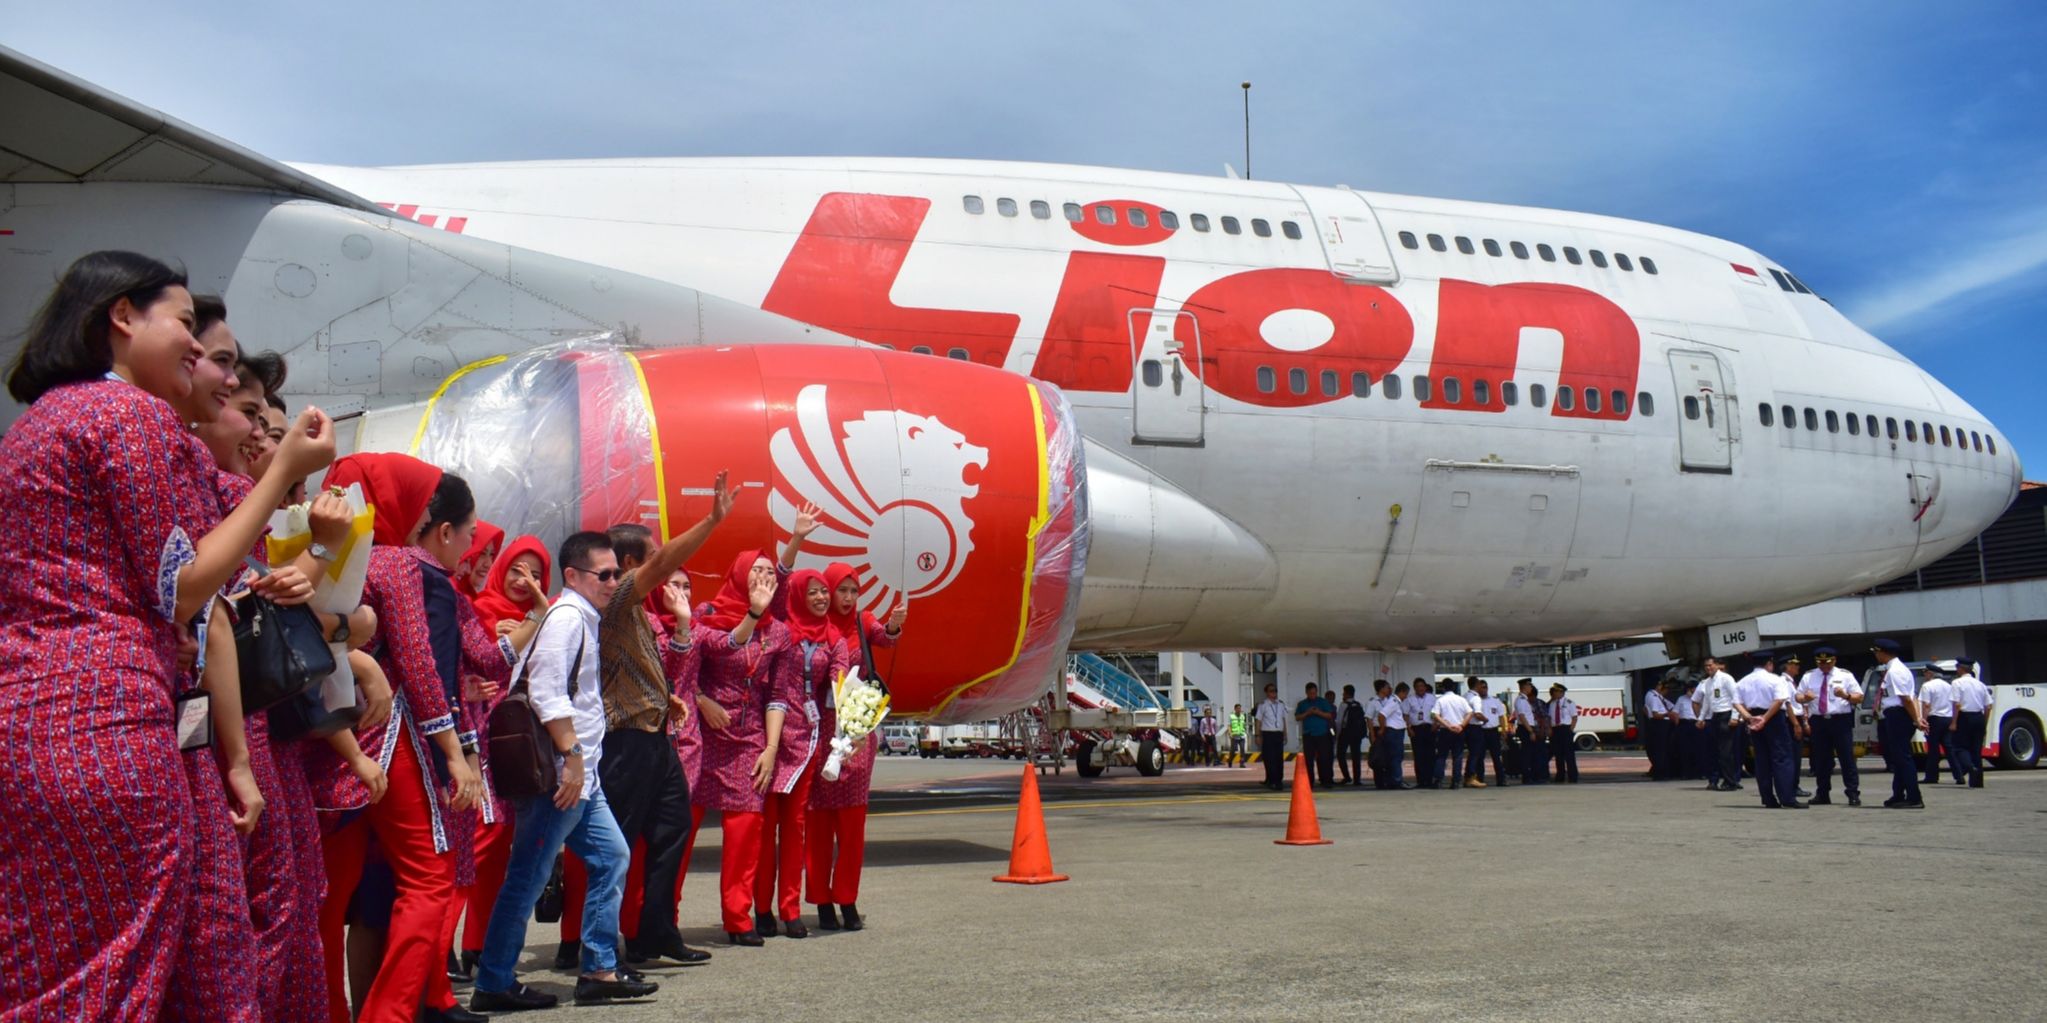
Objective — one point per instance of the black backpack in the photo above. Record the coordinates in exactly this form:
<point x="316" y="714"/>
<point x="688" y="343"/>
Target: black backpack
<point x="521" y="751"/>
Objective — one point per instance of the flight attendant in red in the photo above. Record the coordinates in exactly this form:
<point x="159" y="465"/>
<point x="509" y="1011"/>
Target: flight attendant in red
<point x="838" y="809"/>
<point x="778" y="883"/>
<point x="746" y="680"/>
<point x="410" y="821"/>
<point x="98" y="575"/>
<point x="472" y="573"/>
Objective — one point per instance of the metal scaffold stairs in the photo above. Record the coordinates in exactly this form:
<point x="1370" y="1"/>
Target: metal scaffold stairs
<point x="1124" y="689"/>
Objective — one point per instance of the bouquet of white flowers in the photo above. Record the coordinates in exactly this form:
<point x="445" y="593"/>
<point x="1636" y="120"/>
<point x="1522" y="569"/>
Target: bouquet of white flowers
<point x="861" y="707"/>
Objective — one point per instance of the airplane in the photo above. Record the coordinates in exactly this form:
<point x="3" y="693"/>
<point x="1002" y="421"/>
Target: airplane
<point x="1057" y="406"/>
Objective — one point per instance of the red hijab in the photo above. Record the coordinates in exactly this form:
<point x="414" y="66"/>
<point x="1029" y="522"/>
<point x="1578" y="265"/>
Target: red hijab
<point x="488" y="539"/>
<point x="397" y="486"/>
<point x="495" y="604"/>
<point x="734" y="599"/>
<point x="846" y="625"/>
<point x="807" y="626"/>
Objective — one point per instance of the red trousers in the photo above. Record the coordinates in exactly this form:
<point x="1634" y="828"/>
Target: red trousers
<point x="737" y="866"/>
<point x="836" y="879"/>
<point x="412" y="972"/>
<point x="778" y="877"/>
<point x="493" y="854"/>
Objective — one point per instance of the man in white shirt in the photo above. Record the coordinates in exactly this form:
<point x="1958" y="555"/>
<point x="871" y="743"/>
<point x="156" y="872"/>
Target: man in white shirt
<point x="1450" y="713"/>
<point x="1718" y="722"/>
<point x="1272" y="717"/>
<point x="1529" y="728"/>
<point x="1563" y="734"/>
<point x="1761" y="698"/>
<point x="1900" y="713"/>
<point x="1938" y="696"/>
<point x="1795" y="714"/>
<point x="1656" y="731"/>
<point x="1972" y="712"/>
<point x="1684" y="732"/>
<point x="1421" y="733"/>
<point x="1483" y="735"/>
<point x="1389" y="737"/>
<point x="1830" y="695"/>
<point x="560" y="672"/>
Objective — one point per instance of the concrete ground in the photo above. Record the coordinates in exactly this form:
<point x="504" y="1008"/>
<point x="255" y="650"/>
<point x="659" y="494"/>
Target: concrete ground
<point x="1612" y="899"/>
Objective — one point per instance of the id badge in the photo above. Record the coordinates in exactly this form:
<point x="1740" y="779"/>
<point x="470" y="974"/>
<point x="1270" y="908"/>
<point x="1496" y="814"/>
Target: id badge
<point x="194" y="713"/>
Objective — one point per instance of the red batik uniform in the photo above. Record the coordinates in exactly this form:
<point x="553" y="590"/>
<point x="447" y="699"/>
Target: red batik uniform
<point x="778" y="881"/>
<point x="838" y="809"/>
<point x="493" y="835"/>
<point x="96" y="858"/>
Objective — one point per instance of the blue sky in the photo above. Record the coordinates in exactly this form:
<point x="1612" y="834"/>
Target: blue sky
<point x="1893" y="155"/>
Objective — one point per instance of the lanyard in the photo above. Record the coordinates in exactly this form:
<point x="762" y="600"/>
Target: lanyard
<point x="755" y="649"/>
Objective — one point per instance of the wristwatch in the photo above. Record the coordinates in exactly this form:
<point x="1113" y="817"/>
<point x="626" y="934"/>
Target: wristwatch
<point x="340" y="633"/>
<point x="574" y="751"/>
<point x="320" y="550"/>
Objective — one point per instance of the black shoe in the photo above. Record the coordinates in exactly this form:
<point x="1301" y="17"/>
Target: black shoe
<point x="751" y="939"/>
<point x="1929" y="781"/>
<point x="1802" y="794"/>
<point x="1821" y="801"/>
<point x="676" y="950"/>
<point x="1912" y="804"/>
<point x="1975" y="783"/>
<point x="470" y="960"/>
<point x="794" y="929"/>
<point x="453" y="1014"/>
<point x="827" y="917"/>
<point x="1795" y="805"/>
<point x="455" y="973"/>
<point x="591" y="991"/>
<point x="569" y="956"/>
<point x="851" y="913"/>
<point x="517" y="998"/>
<point x="1854" y="801"/>
<point x="1406" y="785"/>
<point x="1893" y="803"/>
<point x="764" y="924"/>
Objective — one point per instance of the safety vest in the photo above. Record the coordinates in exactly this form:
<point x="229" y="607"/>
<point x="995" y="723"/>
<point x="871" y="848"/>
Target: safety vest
<point x="1238" y="725"/>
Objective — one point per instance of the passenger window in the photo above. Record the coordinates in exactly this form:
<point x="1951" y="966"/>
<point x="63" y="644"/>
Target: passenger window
<point x="1154" y="374"/>
<point x="1812" y="420"/>
<point x="1548" y="254"/>
<point x="1297" y="380"/>
<point x="972" y="203"/>
<point x="1041" y="209"/>
<point x="1492" y="248"/>
<point x="1991" y="443"/>
<point x="1390" y="387"/>
<point x="1537" y="396"/>
<point x="1764" y="415"/>
<point x="1481" y="393"/>
<point x="1592" y="399"/>
<point x="1006" y="207"/>
<point x="1833" y="422"/>
<point x="1519" y="250"/>
<point x="956" y="353"/>
<point x="1510" y="393"/>
<point x="921" y="349"/>
<point x="1911" y="431"/>
<point x="1926" y="431"/>
<point x="1945" y="441"/>
<point x="1105" y="215"/>
<point x="1567" y="399"/>
<point x="1790" y="418"/>
<point x="1571" y="256"/>
<point x="1436" y="243"/>
<point x="1268" y="381"/>
<point x="1691" y="406"/>
<point x="1261" y="228"/>
<point x="1421" y="387"/>
<point x="1360" y="385"/>
<point x="1464" y="245"/>
<point x="1169" y="220"/>
<point x="1072" y="211"/>
<point x="1976" y="439"/>
<point x="1869" y="425"/>
<point x="1137" y="217"/>
<point x="1330" y="383"/>
<point x="1648" y="266"/>
<point x="1645" y="404"/>
<point x="1598" y="258"/>
<point x="1409" y="241"/>
<point x="1453" y="391"/>
<point x="1230" y="226"/>
<point x="1890" y="427"/>
<point x="1854" y="425"/>
<point x="1620" y="259"/>
<point x="1198" y="221"/>
<point x="1290" y="229"/>
<point x="1620" y="403"/>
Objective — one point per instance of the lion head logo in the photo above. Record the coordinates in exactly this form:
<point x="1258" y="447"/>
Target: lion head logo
<point x="893" y="488"/>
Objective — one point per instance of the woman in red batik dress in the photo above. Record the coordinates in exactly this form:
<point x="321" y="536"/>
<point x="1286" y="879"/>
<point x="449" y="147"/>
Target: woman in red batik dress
<point x="472" y="573"/>
<point x="783" y="850"/>
<point x="747" y="680"/>
<point x="409" y="822"/>
<point x="838" y="809"/>
<point x="100" y="580"/>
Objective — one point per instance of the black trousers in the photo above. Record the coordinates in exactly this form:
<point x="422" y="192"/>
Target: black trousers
<point x="1894" y="730"/>
<point x="1833" y="739"/>
<point x="649" y="797"/>
<point x="1967" y="755"/>
<point x="1727" y="746"/>
<point x="1392" y="748"/>
<point x="1776" y="763"/>
<point x="1655" y="737"/>
<point x="1423" y="738"/>
<point x="1479" y="743"/>
<point x="1563" y="746"/>
<point x="1272" y="750"/>
<point x="1350" y="755"/>
<point x="1321" y="751"/>
<point x="1685" y="736"/>
<point x="1939" y="737"/>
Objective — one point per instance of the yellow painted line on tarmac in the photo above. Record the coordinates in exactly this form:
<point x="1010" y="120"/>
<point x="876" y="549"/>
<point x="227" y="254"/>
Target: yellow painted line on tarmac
<point x="1050" y="806"/>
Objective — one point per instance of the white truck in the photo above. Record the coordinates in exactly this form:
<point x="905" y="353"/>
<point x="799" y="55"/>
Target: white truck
<point x="1602" y="701"/>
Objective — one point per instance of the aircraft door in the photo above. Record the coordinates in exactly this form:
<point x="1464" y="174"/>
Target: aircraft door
<point x="1705" y="419"/>
<point x="1167" y="396"/>
<point x="1352" y="240"/>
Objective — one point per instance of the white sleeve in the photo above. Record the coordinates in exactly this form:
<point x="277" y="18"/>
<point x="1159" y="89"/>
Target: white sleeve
<point x="548" y="667"/>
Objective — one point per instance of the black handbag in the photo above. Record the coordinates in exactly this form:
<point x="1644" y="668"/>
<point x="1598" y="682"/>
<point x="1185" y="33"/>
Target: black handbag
<point x="547" y="909"/>
<point x="521" y="750"/>
<point x="306" y="716"/>
<point x="868" y="671"/>
<point x="282" y="650"/>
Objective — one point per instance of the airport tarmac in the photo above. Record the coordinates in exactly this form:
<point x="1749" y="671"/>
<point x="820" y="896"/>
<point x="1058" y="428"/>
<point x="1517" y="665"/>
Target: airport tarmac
<point x="1617" y="898"/>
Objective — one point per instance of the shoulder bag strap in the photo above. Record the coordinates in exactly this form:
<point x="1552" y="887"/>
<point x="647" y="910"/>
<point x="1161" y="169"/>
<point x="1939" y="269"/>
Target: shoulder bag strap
<point x="867" y="672"/>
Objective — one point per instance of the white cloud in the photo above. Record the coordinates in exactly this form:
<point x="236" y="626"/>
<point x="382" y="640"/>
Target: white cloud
<point x="1939" y="281"/>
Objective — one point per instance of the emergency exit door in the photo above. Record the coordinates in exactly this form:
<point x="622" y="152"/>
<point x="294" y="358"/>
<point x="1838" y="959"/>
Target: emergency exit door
<point x="1705" y="419"/>
<point x="1166" y="395"/>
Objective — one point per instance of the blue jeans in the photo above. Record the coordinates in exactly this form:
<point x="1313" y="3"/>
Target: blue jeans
<point x="590" y="832"/>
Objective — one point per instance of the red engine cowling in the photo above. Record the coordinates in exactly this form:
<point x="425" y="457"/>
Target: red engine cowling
<point x="956" y="487"/>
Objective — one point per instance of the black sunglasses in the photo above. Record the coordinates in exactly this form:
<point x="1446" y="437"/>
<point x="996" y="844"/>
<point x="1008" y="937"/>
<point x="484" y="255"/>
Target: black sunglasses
<point x="603" y="577"/>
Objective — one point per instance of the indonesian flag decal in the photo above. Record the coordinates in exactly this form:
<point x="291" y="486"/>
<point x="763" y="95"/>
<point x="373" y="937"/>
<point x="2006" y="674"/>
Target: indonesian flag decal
<point x="1749" y="274"/>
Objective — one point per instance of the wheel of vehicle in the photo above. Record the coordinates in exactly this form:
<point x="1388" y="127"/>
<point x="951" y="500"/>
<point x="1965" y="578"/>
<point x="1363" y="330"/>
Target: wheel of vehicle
<point x="1151" y="758"/>
<point x="2020" y="744"/>
<point x="1586" y="742"/>
<point x="1084" y="760"/>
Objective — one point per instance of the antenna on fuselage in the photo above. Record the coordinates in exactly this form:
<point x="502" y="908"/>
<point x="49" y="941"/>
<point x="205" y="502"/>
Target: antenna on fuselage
<point x="1247" y="131"/>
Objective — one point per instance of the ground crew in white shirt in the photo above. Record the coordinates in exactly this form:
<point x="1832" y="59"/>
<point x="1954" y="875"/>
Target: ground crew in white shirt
<point x="1762" y="695"/>
<point x="1898" y="703"/>
<point x="1717" y="720"/>
<point x="1482" y="736"/>
<point x="1421" y="731"/>
<point x="1830" y="695"/>
<point x="1796" y="714"/>
<point x="1972" y="713"/>
<point x="1272" y="717"/>
<point x="1450" y="713"/>
<point x="1563" y="734"/>
<point x="1937" y="696"/>
<point x="1684" y="735"/>
<point x="1389" y="735"/>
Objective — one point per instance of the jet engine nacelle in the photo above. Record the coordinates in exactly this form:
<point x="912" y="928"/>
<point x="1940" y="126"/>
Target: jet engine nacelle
<point x="954" y="487"/>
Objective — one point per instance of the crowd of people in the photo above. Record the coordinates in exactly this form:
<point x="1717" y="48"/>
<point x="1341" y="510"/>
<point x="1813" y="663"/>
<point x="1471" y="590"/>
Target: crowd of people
<point x="170" y="856"/>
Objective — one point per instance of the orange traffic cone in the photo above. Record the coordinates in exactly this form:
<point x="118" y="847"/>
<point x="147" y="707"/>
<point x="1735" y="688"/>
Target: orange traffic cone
<point x="1301" y="826"/>
<point x="1030" y="859"/>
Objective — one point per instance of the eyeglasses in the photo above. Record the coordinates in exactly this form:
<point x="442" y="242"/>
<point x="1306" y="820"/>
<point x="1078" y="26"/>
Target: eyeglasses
<point x="603" y="577"/>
